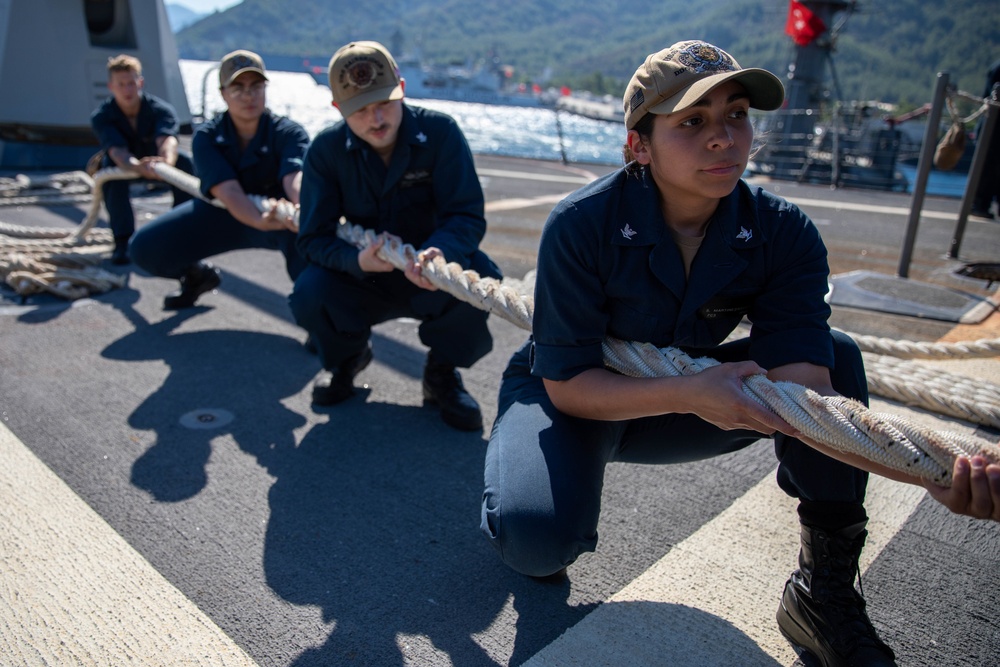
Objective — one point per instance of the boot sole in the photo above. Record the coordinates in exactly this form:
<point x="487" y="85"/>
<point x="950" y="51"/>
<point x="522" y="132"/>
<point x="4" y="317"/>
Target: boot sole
<point x="806" y="656"/>
<point x="178" y="303"/>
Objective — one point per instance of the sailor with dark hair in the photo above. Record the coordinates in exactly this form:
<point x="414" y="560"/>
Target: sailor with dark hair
<point x="675" y="249"/>
<point x="405" y="173"/>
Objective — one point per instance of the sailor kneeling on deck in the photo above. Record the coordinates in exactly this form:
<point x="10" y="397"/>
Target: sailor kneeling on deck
<point x="674" y="249"/>
<point x="406" y="173"/>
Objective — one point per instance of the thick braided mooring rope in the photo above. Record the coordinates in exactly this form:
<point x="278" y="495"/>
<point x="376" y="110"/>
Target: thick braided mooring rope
<point x="843" y="424"/>
<point x="836" y="422"/>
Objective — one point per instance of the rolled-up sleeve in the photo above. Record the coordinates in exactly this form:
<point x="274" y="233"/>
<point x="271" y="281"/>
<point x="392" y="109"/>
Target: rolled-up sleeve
<point x="209" y="162"/>
<point x="165" y="123"/>
<point x="293" y="144"/>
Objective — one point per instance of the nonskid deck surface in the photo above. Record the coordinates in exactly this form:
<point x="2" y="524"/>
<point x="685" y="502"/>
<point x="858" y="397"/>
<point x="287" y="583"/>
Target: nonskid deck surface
<point x="171" y="497"/>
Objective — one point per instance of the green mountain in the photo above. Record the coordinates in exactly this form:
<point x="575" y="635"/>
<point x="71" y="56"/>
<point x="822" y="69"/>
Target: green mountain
<point x="888" y="51"/>
<point x="181" y="17"/>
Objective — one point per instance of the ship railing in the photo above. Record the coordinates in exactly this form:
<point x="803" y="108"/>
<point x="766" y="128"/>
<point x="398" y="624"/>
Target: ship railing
<point x="846" y="146"/>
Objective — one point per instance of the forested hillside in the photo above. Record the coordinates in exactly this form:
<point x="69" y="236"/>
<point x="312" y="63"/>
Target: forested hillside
<point x="887" y="51"/>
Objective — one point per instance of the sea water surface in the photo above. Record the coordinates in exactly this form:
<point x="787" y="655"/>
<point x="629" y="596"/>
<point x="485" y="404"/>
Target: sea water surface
<point x="537" y="133"/>
<point x="489" y="129"/>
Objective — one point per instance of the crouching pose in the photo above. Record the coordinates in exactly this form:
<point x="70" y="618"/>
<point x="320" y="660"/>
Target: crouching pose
<point x="675" y="249"/>
<point x="136" y="130"/>
<point x="245" y="150"/>
<point x="403" y="172"/>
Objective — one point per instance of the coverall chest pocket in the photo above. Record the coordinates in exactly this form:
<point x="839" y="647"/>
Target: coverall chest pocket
<point x="413" y="203"/>
<point x="633" y="321"/>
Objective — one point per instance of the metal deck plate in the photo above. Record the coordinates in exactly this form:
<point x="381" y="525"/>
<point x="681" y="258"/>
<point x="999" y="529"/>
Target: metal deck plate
<point x="902" y="296"/>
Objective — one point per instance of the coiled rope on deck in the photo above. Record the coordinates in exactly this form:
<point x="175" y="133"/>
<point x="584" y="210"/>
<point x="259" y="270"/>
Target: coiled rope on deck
<point x="65" y="262"/>
<point x="68" y="187"/>
<point x="843" y="424"/>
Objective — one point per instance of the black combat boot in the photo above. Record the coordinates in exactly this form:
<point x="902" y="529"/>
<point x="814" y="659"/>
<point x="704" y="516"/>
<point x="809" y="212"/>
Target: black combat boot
<point x="119" y="256"/>
<point x="443" y="387"/>
<point x="337" y="386"/>
<point x="200" y="278"/>
<point x="821" y="614"/>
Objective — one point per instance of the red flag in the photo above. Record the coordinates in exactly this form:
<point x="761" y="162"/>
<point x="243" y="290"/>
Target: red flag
<point x="803" y="26"/>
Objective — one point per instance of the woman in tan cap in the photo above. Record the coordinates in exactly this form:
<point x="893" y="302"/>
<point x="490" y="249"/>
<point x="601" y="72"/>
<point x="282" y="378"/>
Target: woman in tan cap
<point x="675" y="249"/>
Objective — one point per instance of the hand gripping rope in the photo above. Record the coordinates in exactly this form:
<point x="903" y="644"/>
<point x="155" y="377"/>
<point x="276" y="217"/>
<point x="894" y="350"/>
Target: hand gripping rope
<point x="839" y="423"/>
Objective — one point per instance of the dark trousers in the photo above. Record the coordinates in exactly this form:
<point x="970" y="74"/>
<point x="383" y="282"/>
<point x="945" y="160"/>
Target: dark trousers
<point x="121" y="219"/>
<point x="339" y="310"/>
<point x="168" y="246"/>
<point x="544" y="470"/>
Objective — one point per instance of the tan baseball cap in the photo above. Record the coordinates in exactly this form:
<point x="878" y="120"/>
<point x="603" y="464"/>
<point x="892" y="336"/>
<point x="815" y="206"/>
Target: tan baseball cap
<point x="676" y="77"/>
<point x="362" y="73"/>
<point x="236" y="63"/>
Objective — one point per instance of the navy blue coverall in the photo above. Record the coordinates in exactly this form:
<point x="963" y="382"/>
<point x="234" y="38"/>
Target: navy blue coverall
<point x="156" y="118"/>
<point x="429" y="196"/>
<point x="178" y="239"/>
<point x="608" y="266"/>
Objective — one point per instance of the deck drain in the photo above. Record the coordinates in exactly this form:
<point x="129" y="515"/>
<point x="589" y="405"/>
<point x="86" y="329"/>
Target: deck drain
<point x="206" y="418"/>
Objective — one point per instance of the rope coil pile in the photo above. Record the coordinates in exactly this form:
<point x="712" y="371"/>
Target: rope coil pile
<point x="59" y="261"/>
<point x="68" y="187"/>
<point x="64" y="262"/>
<point x="843" y="424"/>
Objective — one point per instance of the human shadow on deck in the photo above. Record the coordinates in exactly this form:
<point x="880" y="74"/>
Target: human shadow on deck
<point x="374" y="519"/>
<point x="240" y="373"/>
<point x="373" y="515"/>
<point x="641" y="633"/>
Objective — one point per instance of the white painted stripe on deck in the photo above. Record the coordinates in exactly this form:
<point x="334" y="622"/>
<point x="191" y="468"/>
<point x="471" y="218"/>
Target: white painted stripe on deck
<point x="534" y="176"/>
<point x="869" y="208"/>
<point x="73" y="592"/>
<point x="712" y="599"/>
<point x="802" y="202"/>
<point x="521" y="202"/>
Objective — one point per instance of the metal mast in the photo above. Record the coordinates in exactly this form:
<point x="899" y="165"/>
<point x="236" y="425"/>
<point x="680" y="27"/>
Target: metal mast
<point x="793" y="127"/>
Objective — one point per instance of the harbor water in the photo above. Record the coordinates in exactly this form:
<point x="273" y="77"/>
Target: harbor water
<point x="537" y="133"/>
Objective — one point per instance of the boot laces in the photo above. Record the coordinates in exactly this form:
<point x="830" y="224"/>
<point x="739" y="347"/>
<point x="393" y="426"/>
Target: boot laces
<point x="846" y="610"/>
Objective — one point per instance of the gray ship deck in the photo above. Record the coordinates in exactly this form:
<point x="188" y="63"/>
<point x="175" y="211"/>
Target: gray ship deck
<point x="169" y="495"/>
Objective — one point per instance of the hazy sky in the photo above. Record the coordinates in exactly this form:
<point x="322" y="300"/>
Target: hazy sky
<point x="204" y="6"/>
